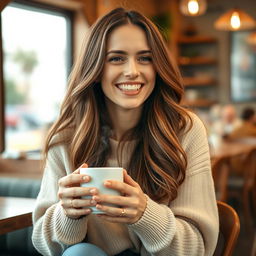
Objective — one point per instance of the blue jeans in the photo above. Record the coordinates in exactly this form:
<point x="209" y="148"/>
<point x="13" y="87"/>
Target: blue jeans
<point x="83" y="249"/>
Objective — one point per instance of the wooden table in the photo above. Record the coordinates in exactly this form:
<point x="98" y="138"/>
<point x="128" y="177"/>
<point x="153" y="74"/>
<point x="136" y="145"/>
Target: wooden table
<point x="15" y="213"/>
<point x="231" y="148"/>
<point x="231" y="158"/>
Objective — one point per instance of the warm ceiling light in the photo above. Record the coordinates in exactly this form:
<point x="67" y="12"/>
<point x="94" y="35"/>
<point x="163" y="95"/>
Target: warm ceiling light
<point x="193" y="7"/>
<point x="234" y="20"/>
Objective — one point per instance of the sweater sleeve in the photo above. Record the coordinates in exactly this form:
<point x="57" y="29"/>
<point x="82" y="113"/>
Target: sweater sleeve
<point x="189" y="225"/>
<point x="52" y="229"/>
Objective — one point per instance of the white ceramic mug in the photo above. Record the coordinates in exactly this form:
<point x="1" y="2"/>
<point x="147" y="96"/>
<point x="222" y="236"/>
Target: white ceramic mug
<point x="98" y="176"/>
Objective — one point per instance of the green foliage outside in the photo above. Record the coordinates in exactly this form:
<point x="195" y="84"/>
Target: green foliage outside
<point x="164" y="23"/>
<point x="27" y="60"/>
<point x="13" y="96"/>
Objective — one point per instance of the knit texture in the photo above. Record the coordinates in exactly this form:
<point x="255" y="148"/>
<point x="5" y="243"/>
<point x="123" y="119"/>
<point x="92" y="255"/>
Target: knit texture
<point x="188" y="226"/>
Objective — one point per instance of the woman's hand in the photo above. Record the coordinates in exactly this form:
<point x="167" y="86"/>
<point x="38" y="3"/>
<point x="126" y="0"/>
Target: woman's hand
<point x="70" y="194"/>
<point x="132" y="202"/>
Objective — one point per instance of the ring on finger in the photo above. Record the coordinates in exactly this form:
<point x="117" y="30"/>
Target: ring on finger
<point x="71" y="203"/>
<point x="122" y="214"/>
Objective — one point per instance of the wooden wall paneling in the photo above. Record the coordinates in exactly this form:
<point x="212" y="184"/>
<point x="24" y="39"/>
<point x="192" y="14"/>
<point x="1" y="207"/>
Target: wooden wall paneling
<point x="3" y="3"/>
<point x="171" y="7"/>
<point x="90" y="11"/>
<point x="2" y="145"/>
<point x="65" y="4"/>
<point x="87" y="7"/>
<point x="147" y="7"/>
<point x="21" y="168"/>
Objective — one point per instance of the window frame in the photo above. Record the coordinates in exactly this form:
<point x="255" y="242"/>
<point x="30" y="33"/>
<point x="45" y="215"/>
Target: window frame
<point x="44" y="8"/>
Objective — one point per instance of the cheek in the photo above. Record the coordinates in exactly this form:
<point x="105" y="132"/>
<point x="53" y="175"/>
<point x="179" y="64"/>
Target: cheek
<point x="109" y="75"/>
<point x="151" y="76"/>
<point x="150" y="72"/>
<point x="152" y="80"/>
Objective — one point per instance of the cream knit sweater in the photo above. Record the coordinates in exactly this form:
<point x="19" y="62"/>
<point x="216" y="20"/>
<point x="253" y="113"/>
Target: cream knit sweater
<point x="188" y="226"/>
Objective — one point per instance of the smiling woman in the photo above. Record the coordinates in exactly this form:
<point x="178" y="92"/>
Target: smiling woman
<point x="122" y="109"/>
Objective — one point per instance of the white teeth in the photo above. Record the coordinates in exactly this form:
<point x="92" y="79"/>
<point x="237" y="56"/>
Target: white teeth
<point x="129" y="87"/>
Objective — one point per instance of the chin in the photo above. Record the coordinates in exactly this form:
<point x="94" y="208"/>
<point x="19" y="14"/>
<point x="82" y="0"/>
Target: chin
<point x="131" y="107"/>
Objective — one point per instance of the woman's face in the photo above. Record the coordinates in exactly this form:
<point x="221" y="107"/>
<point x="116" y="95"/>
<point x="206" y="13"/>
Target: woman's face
<point x="128" y="75"/>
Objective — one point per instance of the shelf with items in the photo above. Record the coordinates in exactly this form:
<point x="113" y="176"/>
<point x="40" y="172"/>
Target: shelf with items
<point x="196" y="39"/>
<point x="200" y="97"/>
<point x="198" y="64"/>
<point x="198" y="103"/>
<point x="200" y="60"/>
<point x="199" y="81"/>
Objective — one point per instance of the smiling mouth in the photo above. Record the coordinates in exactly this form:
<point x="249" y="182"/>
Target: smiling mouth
<point x="129" y="87"/>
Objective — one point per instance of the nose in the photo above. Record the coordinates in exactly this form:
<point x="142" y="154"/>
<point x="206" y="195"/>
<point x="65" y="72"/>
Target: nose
<point x="131" y="69"/>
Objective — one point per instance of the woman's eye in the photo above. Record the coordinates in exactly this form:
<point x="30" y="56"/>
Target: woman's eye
<point x="116" y="59"/>
<point x="145" y="59"/>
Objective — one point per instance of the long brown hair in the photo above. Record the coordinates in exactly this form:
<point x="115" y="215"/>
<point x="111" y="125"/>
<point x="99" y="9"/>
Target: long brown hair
<point x="158" y="162"/>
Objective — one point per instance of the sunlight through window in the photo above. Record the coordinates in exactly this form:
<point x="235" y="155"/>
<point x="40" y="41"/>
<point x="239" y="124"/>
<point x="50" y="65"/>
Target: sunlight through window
<point x="35" y="74"/>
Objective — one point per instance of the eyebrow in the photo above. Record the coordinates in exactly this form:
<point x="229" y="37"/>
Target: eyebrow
<point x="124" y="53"/>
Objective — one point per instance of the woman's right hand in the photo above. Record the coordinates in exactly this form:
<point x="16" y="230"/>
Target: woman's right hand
<point x="70" y="193"/>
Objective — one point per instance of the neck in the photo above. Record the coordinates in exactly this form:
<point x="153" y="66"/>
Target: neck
<point x="123" y="120"/>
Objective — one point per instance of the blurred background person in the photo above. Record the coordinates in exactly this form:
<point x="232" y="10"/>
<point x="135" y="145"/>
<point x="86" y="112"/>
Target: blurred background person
<point x="247" y="128"/>
<point x="227" y="122"/>
<point x="245" y="132"/>
<point x="222" y="121"/>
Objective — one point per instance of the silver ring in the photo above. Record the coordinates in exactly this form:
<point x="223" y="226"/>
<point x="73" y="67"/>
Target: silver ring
<point x="122" y="213"/>
<point x="71" y="203"/>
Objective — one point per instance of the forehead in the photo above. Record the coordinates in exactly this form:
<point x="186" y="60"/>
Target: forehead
<point x="127" y="37"/>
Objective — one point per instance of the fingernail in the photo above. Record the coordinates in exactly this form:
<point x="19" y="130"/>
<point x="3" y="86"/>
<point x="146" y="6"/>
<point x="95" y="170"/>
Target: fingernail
<point x="107" y="183"/>
<point x="93" y="191"/>
<point x="98" y="206"/>
<point x="93" y="202"/>
<point x="87" y="211"/>
<point x="85" y="178"/>
<point x="95" y="198"/>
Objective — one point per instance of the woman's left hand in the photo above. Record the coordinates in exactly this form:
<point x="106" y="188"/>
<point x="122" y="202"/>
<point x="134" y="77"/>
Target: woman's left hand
<point x="132" y="202"/>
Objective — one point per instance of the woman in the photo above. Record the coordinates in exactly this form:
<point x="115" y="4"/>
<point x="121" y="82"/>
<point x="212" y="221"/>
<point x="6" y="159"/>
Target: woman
<point x="123" y="108"/>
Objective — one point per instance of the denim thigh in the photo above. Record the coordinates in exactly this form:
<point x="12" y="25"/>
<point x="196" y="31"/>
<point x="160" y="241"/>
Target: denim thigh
<point x="83" y="249"/>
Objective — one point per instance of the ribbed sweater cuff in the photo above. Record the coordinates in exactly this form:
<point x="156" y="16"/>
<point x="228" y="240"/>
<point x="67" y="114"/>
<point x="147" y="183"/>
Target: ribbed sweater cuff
<point x="156" y="227"/>
<point x="68" y="231"/>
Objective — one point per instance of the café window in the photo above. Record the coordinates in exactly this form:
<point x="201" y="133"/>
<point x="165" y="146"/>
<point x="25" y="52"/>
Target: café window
<point x="36" y="62"/>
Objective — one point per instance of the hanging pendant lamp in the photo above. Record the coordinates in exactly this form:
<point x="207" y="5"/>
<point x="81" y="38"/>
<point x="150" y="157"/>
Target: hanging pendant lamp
<point x="193" y="7"/>
<point x="234" y="20"/>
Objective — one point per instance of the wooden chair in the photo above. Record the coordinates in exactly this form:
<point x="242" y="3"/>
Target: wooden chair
<point x="229" y="230"/>
<point x="220" y="173"/>
<point x="253" y="252"/>
<point x="243" y="187"/>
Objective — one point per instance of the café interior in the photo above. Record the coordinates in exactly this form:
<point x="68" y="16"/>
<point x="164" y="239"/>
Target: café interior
<point x="213" y="43"/>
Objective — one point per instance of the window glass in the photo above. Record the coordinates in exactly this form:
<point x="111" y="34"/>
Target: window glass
<point x="35" y="73"/>
<point x="243" y="66"/>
